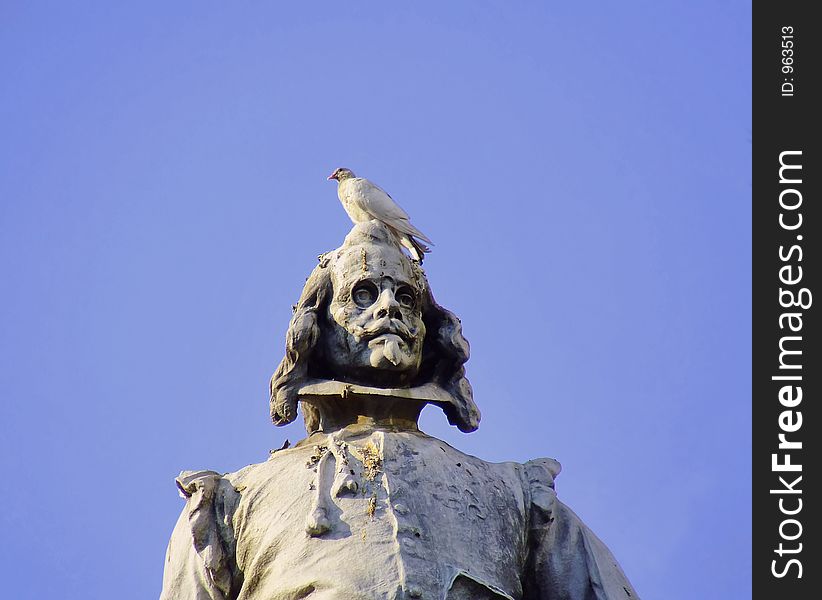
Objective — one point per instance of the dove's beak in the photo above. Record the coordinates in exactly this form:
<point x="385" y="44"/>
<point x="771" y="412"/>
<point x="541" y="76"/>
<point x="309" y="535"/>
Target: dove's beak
<point x="332" y="176"/>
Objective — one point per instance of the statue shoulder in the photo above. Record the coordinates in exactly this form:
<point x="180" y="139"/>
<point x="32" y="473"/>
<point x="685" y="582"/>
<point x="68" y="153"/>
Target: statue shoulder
<point x="208" y="489"/>
<point x="543" y="470"/>
<point x="202" y="548"/>
<point x="538" y="476"/>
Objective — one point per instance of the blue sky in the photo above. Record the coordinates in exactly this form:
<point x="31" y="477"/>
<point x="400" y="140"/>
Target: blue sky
<point x="583" y="170"/>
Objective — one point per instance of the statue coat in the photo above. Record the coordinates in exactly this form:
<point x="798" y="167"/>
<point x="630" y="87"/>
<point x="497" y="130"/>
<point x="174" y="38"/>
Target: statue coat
<point x="384" y="514"/>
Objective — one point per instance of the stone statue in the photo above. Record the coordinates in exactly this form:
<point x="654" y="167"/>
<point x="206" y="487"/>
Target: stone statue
<point x="368" y="507"/>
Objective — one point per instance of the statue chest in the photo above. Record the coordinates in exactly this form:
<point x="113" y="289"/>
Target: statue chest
<point x="383" y="515"/>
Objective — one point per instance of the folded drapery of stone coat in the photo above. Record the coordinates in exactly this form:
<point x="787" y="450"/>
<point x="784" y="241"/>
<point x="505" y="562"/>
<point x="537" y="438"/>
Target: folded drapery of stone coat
<point x="384" y="515"/>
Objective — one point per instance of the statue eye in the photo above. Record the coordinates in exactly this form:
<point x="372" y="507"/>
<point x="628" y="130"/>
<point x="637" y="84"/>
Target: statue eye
<point x="364" y="294"/>
<point x="405" y="297"/>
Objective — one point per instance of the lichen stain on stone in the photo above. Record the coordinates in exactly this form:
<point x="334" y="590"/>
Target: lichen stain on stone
<point x="371" y="461"/>
<point x="372" y="506"/>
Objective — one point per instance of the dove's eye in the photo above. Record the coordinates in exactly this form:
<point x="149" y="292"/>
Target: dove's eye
<point x="405" y="297"/>
<point x="364" y="294"/>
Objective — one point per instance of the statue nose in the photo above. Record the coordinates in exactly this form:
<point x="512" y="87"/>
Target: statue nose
<point x="387" y="306"/>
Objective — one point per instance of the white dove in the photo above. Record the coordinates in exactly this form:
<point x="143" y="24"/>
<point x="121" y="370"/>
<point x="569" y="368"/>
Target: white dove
<point x="364" y="201"/>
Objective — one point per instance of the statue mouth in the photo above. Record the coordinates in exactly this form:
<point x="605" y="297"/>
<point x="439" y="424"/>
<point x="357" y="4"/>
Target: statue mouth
<point x="386" y="338"/>
<point x="393" y="348"/>
<point x="387" y="326"/>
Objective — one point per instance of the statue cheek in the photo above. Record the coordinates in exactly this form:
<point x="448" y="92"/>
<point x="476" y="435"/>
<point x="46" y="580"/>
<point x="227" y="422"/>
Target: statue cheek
<point x="343" y="314"/>
<point x="417" y="327"/>
<point x="360" y="317"/>
<point x="339" y="314"/>
<point x="352" y="319"/>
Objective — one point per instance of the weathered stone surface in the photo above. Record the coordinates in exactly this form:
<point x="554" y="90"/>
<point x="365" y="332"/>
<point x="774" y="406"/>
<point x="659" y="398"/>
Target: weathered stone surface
<point x="369" y="512"/>
<point x="368" y="506"/>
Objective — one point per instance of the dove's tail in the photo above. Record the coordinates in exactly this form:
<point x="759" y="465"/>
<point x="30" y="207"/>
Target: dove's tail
<point x="418" y="249"/>
<point x="415" y="247"/>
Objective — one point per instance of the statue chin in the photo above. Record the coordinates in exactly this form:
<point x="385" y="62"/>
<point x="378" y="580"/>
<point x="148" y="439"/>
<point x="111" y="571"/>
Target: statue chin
<point x="385" y="361"/>
<point x="391" y="352"/>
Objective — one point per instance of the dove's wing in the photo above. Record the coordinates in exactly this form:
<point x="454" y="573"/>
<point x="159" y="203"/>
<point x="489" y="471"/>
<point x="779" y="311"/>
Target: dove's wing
<point x="377" y="201"/>
<point x="380" y="205"/>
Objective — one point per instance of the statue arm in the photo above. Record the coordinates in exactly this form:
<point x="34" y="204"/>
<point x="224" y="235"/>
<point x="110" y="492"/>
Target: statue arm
<point x="200" y="562"/>
<point x="566" y="560"/>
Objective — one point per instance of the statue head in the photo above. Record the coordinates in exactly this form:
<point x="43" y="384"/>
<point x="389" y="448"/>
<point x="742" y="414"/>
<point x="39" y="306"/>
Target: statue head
<point x="367" y="316"/>
<point x="375" y="330"/>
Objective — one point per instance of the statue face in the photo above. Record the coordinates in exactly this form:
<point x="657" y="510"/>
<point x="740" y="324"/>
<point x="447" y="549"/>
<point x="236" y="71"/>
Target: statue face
<point x="375" y="329"/>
